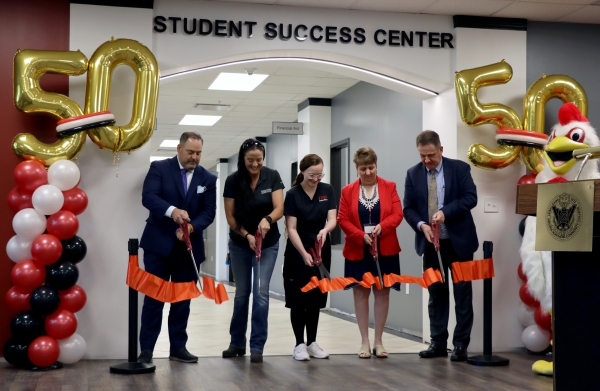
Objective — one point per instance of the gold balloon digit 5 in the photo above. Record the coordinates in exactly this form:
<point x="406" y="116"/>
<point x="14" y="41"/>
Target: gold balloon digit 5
<point x="102" y="63"/>
<point x="29" y="66"/>
<point x="474" y="113"/>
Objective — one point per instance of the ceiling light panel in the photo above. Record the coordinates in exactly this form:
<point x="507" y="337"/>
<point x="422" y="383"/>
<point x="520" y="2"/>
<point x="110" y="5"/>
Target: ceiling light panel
<point x="200" y="120"/>
<point x="169" y="144"/>
<point x="237" y="81"/>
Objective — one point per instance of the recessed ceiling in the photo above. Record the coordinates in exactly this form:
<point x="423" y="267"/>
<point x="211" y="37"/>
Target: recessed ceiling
<point x="250" y="114"/>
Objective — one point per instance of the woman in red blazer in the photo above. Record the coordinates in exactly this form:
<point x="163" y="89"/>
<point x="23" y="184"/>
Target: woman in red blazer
<point x="370" y="206"/>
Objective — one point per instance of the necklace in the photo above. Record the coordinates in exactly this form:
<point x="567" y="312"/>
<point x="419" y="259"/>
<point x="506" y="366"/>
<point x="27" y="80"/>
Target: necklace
<point x="369" y="203"/>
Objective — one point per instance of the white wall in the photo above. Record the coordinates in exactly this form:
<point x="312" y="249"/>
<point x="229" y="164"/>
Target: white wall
<point x="115" y="212"/>
<point x="475" y="48"/>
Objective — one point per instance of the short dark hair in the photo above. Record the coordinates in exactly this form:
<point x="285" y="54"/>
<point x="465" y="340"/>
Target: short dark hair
<point x="185" y="136"/>
<point x="428" y="137"/>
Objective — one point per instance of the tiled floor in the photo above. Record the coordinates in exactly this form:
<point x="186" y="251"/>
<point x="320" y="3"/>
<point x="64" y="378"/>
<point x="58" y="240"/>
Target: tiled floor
<point x="208" y="331"/>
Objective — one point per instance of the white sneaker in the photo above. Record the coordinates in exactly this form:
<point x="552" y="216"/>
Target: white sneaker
<point x="300" y="353"/>
<point x="315" y="351"/>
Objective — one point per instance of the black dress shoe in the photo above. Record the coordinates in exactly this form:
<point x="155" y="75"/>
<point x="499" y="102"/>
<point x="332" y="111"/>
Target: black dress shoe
<point x="182" y="355"/>
<point x="256" y="356"/>
<point x="434" y="350"/>
<point x="233" y="351"/>
<point x="459" y="354"/>
<point x="145" y="356"/>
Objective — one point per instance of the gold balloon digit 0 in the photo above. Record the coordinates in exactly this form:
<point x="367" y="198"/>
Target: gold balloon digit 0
<point x="474" y="113"/>
<point x="562" y="87"/>
<point x="29" y="66"/>
<point x="102" y="63"/>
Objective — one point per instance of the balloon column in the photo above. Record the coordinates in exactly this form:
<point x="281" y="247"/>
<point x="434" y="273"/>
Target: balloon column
<point x="46" y="249"/>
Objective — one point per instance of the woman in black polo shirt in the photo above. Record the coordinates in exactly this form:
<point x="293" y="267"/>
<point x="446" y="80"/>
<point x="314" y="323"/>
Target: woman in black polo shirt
<point x="253" y="200"/>
<point x="310" y="214"/>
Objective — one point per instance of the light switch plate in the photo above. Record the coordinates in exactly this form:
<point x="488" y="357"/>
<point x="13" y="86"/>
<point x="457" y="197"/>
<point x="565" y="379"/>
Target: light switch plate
<point x="491" y="205"/>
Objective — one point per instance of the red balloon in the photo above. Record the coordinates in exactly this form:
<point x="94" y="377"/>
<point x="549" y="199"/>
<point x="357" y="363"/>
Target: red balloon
<point x="72" y="299"/>
<point x="30" y="175"/>
<point x="61" y="324"/>
<point x="75" y="200"/>
<point x="44" y="351"/>
<point x="543" y="319"/>
<point x="526" y="296"/>
<point x="46" y="249"/>
<point x="527" y="179"/>
<point x="19" y="199"/>
<point x="62" y="224"/>
<point x="522" y="275"/>
<point x="17" y="300"/>
<point x="27" y="275"/>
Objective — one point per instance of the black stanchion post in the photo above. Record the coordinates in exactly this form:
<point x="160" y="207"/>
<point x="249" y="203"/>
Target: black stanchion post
<point x="487" y="359"/>
<point x="132" y="367"/>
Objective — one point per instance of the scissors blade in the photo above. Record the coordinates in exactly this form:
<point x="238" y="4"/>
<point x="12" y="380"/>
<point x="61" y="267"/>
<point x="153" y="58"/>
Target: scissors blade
<point x="324" y="272"/>
<point x="379" y="273"/>
<point x="258" y="270"/>
<point x="196" y="270"/>
<point x="441" y="266"/>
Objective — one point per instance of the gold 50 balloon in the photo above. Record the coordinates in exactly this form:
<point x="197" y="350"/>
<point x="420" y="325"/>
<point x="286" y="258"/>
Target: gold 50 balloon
<point x="474" y="113"/>
<point x="30" y="65"/>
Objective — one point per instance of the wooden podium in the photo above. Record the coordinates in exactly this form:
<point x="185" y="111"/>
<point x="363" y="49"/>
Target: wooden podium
<point x="576" y="304"/>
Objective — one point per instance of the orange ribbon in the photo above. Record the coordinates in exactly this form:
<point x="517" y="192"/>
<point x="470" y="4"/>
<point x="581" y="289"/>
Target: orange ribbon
<point x="168" y="291"/>
<point x="473" y="270"/>
<point x="429" y="277"/>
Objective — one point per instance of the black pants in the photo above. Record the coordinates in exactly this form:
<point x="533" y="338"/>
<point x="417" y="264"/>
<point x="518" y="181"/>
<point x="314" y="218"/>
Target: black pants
<point x="439" y="298"/>
<point x="177" y="267"/>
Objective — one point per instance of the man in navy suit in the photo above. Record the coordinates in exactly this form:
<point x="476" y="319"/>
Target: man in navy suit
<point x="176" y="191"/>
<point x="442" y="190"/>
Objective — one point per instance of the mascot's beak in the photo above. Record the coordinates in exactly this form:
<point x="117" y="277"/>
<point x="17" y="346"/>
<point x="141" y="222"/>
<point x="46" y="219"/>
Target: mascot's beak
<point x="559" y="154"/>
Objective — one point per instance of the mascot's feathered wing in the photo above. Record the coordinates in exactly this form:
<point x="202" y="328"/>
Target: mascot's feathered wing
<point x="572" y="132"/>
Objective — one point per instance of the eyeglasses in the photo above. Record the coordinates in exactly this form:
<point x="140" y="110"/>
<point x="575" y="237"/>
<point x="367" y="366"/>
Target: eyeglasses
<point x="252" y="143"/>
<point x="315" y="176"/>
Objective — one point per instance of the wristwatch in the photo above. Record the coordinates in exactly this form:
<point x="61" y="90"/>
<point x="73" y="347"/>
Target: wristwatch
<point x="269" y="219"/>
<point x="246" y="236"/>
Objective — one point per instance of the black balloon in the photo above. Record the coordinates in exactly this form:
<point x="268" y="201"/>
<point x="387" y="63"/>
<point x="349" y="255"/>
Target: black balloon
<point x="73" y="250"/>
<point x="522" y="226"/>
<point x="44" y="300"/>
<point x="62" y="276"/>
<point x="26" y="326"/>
<point x="15" y="353"/>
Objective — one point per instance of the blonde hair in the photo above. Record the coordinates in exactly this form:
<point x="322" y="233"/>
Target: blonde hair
<point x="365" y="155"/>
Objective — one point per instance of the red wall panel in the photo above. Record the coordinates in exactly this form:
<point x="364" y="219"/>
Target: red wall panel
<point x="32" y="24"/>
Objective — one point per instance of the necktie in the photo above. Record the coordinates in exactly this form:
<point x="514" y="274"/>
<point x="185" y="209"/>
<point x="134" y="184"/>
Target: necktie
<point x="432" y="199"/>
<point x="184" y="179"/>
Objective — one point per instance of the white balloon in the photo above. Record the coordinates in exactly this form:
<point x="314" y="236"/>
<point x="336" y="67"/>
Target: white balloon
<point x="47" y="199"/>
<point x="18" y="248"/>
<point x="535" y="339"/>
<point x="72" y="349"/>
<point x="525" y="315"/>
<point x="29" y="223"/>
<point x="63" y="174"/>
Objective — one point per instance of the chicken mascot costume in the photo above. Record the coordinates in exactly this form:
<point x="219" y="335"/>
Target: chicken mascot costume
<point x="572" y="132"/>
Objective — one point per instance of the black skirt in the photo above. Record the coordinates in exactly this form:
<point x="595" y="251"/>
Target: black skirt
<point x="296" y="275"/>
<point x="388" y="264"/>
